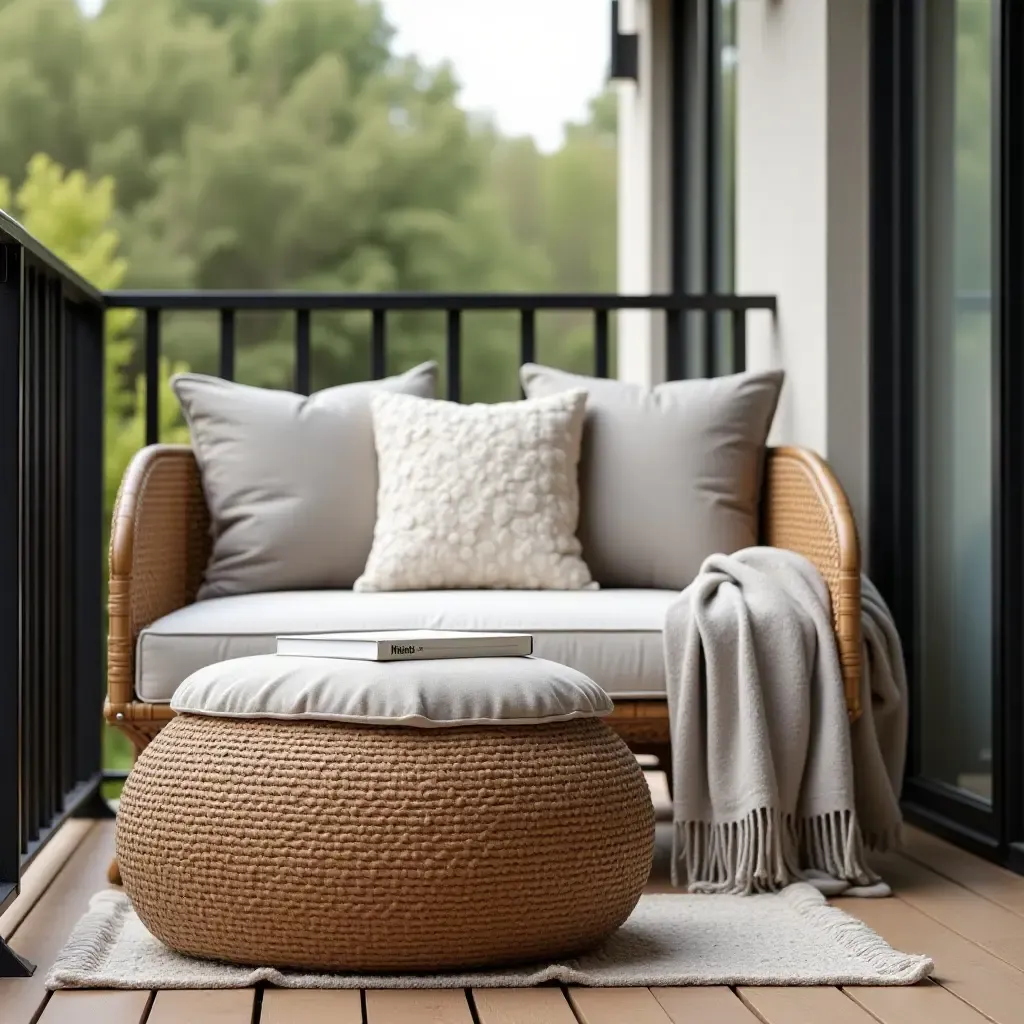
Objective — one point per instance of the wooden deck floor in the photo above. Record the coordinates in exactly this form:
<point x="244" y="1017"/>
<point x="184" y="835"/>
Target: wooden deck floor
<point x="967" y="914"/>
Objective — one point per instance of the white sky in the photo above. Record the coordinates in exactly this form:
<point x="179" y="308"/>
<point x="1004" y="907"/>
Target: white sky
<point x="532" y="64"/>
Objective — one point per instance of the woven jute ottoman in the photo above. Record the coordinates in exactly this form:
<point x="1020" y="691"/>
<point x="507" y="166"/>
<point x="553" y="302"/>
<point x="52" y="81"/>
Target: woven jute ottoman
<point x="361" y="816"/>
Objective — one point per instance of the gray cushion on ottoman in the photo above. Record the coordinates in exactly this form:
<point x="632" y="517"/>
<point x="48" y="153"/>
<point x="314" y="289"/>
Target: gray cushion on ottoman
<point x="425" y="693"/>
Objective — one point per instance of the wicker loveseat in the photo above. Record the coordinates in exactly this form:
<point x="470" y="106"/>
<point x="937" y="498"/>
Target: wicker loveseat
<point x="160" y="542"/>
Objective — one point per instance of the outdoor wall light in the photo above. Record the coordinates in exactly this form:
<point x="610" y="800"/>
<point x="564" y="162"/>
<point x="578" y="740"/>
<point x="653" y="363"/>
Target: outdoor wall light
<point x="625" y="59"/>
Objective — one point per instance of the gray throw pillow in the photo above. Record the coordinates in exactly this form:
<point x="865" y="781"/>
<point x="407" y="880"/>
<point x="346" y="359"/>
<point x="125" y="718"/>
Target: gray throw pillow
<point x="290" y="480"/>
<point x="668" y="475"/>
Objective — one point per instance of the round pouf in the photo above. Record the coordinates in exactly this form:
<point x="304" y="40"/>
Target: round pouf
<point x="366" y="848"/>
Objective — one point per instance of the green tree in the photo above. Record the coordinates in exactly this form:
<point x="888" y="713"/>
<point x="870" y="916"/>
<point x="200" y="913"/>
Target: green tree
<point x="973" y="147"/>
<point x="43" y="44"/>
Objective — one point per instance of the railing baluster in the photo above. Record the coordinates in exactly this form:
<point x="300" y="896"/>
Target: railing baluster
<point x="56" y="546"/>
<point x="601" y="342"/>
<point x="65" y="623"/>
<point x="24" y="534"/>
<point x="38" y="464"/>
<point x="51" y="578"/>
<point x="39" y="540"/>
<point x="712" y="160"/>
<point x="227" y="344"/>
<point x="12" y="554"/>
<point x="12" y="684"/>
<point x="527" y="336"/>
<point x="710" y="367"/>
<point x="674" y="354"/>
<point x="377" y="342"/>
<point x="302" y="351"/>
<point x="30" y="577"/>
<point x="152" y="376"/>
<point x="453" y="354"/>
<point x="739" y="340"/>
<point x="86" y="481"/>
<point x="41" y="515"/>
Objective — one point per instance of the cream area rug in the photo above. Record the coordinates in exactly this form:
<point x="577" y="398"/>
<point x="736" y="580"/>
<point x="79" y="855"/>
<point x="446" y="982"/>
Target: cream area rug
<point x="789" y="938"/>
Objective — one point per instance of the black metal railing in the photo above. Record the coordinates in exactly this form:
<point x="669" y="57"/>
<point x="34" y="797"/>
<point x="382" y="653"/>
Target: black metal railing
<point x="711" y="353"/>
<point x="51" y="461"/>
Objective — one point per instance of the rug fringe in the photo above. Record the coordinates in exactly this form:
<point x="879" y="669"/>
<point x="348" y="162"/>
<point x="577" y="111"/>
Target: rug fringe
<point x="90" y="941"/>
<point x="857" y="938"/>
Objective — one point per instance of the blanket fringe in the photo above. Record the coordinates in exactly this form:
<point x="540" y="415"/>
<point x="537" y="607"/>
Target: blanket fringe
<point x="768" y="850"/>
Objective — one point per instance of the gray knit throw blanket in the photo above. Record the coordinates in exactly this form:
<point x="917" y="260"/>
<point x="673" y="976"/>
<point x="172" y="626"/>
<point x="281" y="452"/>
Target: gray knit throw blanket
<point x="771" y="783"/>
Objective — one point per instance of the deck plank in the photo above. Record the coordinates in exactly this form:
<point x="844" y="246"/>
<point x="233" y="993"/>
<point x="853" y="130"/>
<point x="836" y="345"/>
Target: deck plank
<point x="990" y="985"/>
<point x="203" y="1006"/>
<point x="977" y="919"/>
<point x="417" y="1006"/>
<point x="96" y="1007"/>
<point x="42" y="871"/>
<point x="522" y="1006"/>
<point x="617" y="1006"/>
<point x="311" y="1006"/>
<point x="927" y="1003"/>
<point x="804" y="1005"/>
<point x="994" y="883"/>
<point x="42" y="933"/>
<point x="711" y="1004"/>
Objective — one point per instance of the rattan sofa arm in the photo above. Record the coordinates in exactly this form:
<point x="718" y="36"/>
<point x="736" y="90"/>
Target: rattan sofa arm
<point x="805" y="509"/>
<point x="159" y="545"/>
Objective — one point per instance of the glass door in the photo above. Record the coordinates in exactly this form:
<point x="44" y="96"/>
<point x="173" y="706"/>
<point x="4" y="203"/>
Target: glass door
<point x="954" y="355"/>
<point x="947" y="393"/>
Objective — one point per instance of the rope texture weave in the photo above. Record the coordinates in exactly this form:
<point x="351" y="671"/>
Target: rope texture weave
<point x="340" y="847"/>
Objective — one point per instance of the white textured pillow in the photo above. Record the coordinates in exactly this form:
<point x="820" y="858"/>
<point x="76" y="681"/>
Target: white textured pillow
<point x="425" y="694"/>
<point x="477" y="496"/>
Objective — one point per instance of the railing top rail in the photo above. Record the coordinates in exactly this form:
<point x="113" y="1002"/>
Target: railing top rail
<point x="11" y="232"/>
<point x="396" y="301"/>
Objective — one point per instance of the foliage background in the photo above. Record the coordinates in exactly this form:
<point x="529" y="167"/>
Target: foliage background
<point x="284" y="145"/>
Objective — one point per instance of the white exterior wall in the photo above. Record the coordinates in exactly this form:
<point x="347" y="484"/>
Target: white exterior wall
<point x="802" y="219"/>
<point x="644" y="190"/>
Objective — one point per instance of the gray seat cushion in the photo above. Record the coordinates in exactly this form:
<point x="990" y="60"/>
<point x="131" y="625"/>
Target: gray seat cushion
<point x="613" y="636"/>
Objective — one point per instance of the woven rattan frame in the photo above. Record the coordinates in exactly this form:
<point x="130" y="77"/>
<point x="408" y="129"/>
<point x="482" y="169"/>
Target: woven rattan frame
<point x="806" y="510"/>
<point x="160" y="543"/>
<point x="342" y="847"/>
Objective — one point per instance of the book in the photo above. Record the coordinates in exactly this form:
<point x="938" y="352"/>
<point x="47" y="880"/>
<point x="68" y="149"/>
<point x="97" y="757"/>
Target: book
<point x="406" y="645"/>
